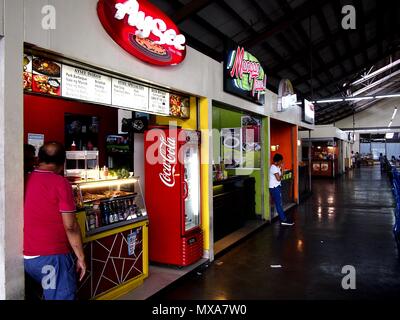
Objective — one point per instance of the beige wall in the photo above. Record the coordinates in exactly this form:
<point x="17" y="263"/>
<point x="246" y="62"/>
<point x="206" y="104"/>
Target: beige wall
<point x="324" y="131"/>
<point x="11" y="157"/>
<point x="1" y="17"/>
<point x="378" y="115"/>
<point x="79" y="34"/>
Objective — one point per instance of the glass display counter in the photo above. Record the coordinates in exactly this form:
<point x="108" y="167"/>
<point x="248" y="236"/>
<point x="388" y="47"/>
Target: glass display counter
<point x="113" y="220"/>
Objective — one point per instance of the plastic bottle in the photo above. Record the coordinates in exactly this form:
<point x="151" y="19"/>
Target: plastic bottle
<point x="92" y="221"/>
<point x="90" y="145"/>
<point x="96" y="209"/>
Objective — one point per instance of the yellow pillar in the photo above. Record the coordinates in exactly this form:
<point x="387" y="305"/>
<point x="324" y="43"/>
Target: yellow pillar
<point x="206" y="182"/>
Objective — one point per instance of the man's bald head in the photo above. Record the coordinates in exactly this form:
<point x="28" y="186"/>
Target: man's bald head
<point x="52" y="153"/>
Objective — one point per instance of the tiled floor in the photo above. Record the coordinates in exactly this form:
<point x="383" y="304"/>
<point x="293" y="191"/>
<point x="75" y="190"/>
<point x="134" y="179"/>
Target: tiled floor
<point x="160" y="277"/>
<point x="347" y="221"/>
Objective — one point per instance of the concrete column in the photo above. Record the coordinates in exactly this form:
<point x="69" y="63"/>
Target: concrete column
<point x="1" y="18"/>
<point x="11" y="152"/>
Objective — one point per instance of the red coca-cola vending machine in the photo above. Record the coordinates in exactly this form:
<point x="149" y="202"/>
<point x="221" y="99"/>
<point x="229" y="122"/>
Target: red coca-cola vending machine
<point x="172" y="184"/>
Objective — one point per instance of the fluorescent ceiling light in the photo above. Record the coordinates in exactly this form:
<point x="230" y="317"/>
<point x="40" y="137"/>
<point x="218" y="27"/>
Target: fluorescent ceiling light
<point x="389" y="135"/>
<point x="380" y="130"/>
<point x="390" y="124"/>
<point x="358" y="98"/>
<point x="392" y="95"/>
<point x="394" y="113"/>
<point x="373" y="74"/>
<point x="329" y="100"/>
<point x="395" y="95"/>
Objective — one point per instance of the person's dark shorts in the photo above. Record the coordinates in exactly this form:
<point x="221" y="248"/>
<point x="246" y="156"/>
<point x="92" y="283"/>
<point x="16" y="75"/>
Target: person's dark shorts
<point x="56" y="274"/>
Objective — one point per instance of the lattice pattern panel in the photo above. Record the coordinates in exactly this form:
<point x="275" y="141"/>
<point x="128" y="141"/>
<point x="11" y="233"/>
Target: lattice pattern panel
<point x="111" y="263"/>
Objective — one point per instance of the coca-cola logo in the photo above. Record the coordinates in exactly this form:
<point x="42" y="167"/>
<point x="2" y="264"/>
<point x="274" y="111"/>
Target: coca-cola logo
<point x="167" y="152"/>
<point x="143" y="30"/>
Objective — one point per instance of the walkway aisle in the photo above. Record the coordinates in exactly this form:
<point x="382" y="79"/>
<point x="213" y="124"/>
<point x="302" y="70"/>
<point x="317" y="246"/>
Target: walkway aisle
<point x="346" y="222"/>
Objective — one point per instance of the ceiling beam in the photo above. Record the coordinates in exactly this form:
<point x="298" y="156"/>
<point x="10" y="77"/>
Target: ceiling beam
<point x="248" y="27"/>
<point x="303" y="54"/>
<point x="197" y="44"/>
<point x="314" y="55"/>
<point x="327" y="34"/>
<point x="327" y="112"/>
<point x="190" y="9"/>
<point x="337" y="11"/>
<point x="341" y="114"/>
<point x="337" y="60"/>
<point x="361" y="22"/>
<point x="263" y="15"/>
<point x="285" y="22"/>
<point x="354" y="73"/>
<point x="211" y="52"/>
<point x="380" y="25"/>
<point x="202" y="47"/>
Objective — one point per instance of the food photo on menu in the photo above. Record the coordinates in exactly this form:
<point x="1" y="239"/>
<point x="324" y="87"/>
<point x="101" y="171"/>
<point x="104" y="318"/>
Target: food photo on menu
<point x="46" y="76"/>
<point x="179" y="106"/>
<point x="27" y="74"/>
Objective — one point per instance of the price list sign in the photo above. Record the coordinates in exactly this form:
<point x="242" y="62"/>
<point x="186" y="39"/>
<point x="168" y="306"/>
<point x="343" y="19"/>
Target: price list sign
<point x="159" y="102"/>
<point x="85" y="85"/>
<point x="130" y="95"/>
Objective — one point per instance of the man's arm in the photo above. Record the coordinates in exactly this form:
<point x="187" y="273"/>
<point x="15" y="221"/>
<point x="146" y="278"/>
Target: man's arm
<point x="74" y="235"/>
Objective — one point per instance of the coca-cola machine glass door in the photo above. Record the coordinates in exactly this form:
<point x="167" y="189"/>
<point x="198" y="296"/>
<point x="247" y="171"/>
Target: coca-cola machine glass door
<point x="191" y="182"/>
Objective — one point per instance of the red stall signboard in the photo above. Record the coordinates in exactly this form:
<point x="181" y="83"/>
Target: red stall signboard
<point x="143" y="30"/>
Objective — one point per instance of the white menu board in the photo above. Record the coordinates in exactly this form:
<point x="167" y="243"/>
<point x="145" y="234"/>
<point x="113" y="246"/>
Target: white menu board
<point x="159" y="102"/>
<point x="130" y="95"/>
<point x="85" y="85"/>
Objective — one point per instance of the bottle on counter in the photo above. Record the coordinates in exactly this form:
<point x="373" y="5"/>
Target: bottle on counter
<point x="97" y="212"/>
<point x="103" y="215"/>
<point x="92" y="220"/>
<point x="110" y="215"/>
<point x="107" y="214"/>
<point x="115" y="216"/>
<point x="121" y="210"/>
<point x="73" y="146"/>
<point x="105" y="172"/>
<point x="90" y="145"/>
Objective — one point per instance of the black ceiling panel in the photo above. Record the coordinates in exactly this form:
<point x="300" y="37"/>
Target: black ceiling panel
<point x="296" y="38"/>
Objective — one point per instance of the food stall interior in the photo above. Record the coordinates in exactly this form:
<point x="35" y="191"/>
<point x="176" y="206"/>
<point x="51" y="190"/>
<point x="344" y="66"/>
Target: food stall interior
<point x="99" y="119"/>
<point x="283" y="141"/>
<point x="237" y="188"/>
<point x="325" y="155"/>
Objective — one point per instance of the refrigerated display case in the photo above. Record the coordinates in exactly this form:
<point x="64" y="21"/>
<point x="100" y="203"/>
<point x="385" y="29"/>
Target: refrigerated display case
<point x="172" y="185"/>
<point x="113" y="220"/>
<point x="82" y="165"/>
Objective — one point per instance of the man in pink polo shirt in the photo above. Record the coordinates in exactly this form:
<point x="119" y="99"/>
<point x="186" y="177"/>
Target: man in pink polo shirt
<point x="51" y="230"/>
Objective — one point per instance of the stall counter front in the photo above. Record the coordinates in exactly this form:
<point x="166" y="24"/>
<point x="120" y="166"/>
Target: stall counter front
<point x="234" y="203"/>
<point x="115" y="235"/>
<point x="325" y="168"/>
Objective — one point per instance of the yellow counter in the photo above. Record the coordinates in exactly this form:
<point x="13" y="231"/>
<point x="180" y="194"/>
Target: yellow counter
<point x="117" y="259"/>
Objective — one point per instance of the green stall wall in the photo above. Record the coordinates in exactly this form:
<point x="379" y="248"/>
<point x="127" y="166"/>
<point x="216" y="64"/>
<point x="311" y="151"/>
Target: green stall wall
<point x="224" y="118"/>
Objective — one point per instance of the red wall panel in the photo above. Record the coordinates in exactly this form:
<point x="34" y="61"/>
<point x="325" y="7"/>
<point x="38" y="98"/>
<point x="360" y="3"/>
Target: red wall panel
<point x="281" y="134"/>
<point x="46" y="115"/>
